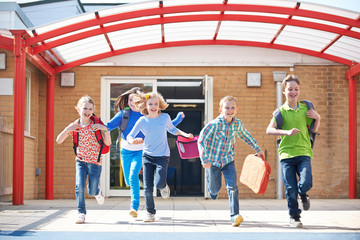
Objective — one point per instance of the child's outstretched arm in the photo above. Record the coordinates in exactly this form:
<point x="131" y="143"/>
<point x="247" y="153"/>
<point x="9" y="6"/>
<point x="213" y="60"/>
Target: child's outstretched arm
<point x="205" y="137"/>
<point x="131" y="136"/>
<point x="66" y="132"/>
<point x="115" y="122"/>
<point x="179" y="117"/>
<point x="272" y="130"/>
<point x="248" y="138"/>
<point x="184" y="134"/>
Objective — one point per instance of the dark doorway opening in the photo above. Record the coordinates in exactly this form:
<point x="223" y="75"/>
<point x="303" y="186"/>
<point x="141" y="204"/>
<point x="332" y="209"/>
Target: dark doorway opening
<point x="185" y="176"/>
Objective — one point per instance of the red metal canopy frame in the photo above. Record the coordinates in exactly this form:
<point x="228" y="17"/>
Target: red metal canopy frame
<point x="40" y="49"/>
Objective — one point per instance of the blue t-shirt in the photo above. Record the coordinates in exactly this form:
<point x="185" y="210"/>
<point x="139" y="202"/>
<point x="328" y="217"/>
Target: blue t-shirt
<point x="115" y="122"/>
<point x="155" y="131"/>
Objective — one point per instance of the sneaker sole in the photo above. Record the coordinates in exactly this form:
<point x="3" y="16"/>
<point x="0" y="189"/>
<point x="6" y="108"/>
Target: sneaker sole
<point x="238" y="221"/>
<point x="80" y="222"/>
<point x="149" y="220"/>
<point x="297" y="225"/>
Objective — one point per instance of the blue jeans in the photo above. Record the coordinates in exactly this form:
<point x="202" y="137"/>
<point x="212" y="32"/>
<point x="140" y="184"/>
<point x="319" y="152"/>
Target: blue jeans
<point x="83" y="169"/>
<point x="290" y="167"/>
<point x="154" y="172"/>
<point x="131" y="162"/>
<point x="213" y="178"/>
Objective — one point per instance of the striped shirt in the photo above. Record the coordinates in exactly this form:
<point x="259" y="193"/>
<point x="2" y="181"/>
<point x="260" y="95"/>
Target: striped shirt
<point x="217" y="141"/>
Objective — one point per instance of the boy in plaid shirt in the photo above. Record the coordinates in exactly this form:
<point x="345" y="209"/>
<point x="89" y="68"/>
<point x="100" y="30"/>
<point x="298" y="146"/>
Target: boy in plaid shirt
<point x="216" y="147"/>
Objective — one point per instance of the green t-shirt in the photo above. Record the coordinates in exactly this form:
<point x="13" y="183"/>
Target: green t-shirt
<point x="299" y="144"/>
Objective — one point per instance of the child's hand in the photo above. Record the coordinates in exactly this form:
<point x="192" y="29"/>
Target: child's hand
<point x="73" y="127"/>
<point x="261" y="154"/>
<point x="207" y="165"/>
<point x="99" y="126"/>
<point x="190" y="136"/>
<point x="182" y="114"/>
<point x="312" y="114"/>
<point x="293" y="131"/>
<point x="137" y="141"/>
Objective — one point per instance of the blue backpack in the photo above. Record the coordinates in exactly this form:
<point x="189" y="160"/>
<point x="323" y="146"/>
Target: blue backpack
<point x="280" y="122"/>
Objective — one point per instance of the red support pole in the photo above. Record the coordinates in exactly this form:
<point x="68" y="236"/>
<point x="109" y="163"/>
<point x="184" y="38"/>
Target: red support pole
<point x="50" y="138"/>
<point x="19" y="118"/>
<point x="352" y="138"/>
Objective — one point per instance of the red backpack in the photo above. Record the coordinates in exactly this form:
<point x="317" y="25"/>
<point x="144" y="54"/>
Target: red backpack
<point x="103" y="147"/>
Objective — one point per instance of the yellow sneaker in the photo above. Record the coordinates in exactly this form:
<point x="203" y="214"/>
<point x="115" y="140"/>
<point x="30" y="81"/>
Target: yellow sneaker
<point x="236" y="220"/>
<point x="133" y="213"/>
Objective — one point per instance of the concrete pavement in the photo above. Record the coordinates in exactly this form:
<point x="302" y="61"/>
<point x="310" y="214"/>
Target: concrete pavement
<point x="179" y="218"/>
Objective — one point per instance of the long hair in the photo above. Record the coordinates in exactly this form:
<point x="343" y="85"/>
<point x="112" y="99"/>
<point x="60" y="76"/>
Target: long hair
<point x="122" y="101"/>
<point x="141" y="99"/>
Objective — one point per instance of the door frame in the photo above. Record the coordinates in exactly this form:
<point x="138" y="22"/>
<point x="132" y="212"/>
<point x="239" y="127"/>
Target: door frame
<point x="106" y="81"/>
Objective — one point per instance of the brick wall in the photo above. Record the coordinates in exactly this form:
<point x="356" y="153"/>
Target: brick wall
<point x="32" y="158"/>
<point x="325" y="86"/>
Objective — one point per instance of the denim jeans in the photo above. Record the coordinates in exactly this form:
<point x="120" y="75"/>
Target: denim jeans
<point x="131" y="162"/>
<point x="290" y="167"/>
<point x="213" y="178"/>
<point x="154" y="172"/>
<point x="83" y="169"/>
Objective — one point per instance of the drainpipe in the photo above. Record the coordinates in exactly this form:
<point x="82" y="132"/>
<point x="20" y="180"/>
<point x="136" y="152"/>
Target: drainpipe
<point x="278" y="77"/>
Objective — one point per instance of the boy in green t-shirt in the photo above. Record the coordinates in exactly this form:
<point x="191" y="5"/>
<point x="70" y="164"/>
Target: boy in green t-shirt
<point x="295" y="148"/>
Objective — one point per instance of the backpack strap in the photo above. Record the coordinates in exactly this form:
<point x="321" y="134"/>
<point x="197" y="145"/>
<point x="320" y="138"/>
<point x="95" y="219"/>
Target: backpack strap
<point x="279" y="123"/>
<point x="312" y="125"/>
<point x="99" y="138"/>
<point x="123" y="124"/>
<point x="279" y="118"/>
<point x="75" y="136"/>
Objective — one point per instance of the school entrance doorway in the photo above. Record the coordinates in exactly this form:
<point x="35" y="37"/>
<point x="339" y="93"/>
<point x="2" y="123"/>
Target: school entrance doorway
<point x="191" y="95"/>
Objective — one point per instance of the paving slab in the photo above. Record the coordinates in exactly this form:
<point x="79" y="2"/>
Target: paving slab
<point x="179" y="218"/>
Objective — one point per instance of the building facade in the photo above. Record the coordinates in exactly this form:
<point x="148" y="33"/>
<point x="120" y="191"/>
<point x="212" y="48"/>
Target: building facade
<point x="214" y="71"/>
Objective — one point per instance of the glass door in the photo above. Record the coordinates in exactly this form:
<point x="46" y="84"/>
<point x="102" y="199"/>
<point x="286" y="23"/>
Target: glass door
<point x="112" y="179"/>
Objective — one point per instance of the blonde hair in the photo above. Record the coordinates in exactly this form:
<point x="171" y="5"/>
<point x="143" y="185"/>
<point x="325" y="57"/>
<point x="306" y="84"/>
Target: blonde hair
<point x="227" y="99"/>
<point x="85" y="99"/>
<point x="289" y="78"/>
<point x="140" y="100"/>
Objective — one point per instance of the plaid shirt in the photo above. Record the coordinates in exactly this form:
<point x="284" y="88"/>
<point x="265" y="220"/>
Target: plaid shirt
<point x="217" y="140"/>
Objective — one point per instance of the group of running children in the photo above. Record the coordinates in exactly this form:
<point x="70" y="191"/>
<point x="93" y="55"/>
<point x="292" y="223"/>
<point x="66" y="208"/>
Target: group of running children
<point x="144" y="145"/>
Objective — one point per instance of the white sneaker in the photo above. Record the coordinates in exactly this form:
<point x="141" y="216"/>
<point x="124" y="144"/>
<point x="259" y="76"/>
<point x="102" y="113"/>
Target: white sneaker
<point x="80" y="218"/>
<point x="133" y="213"/>
<point x="100" y="198"/>
<point x="149" y="217"/>
<point x="165" y="193"/>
